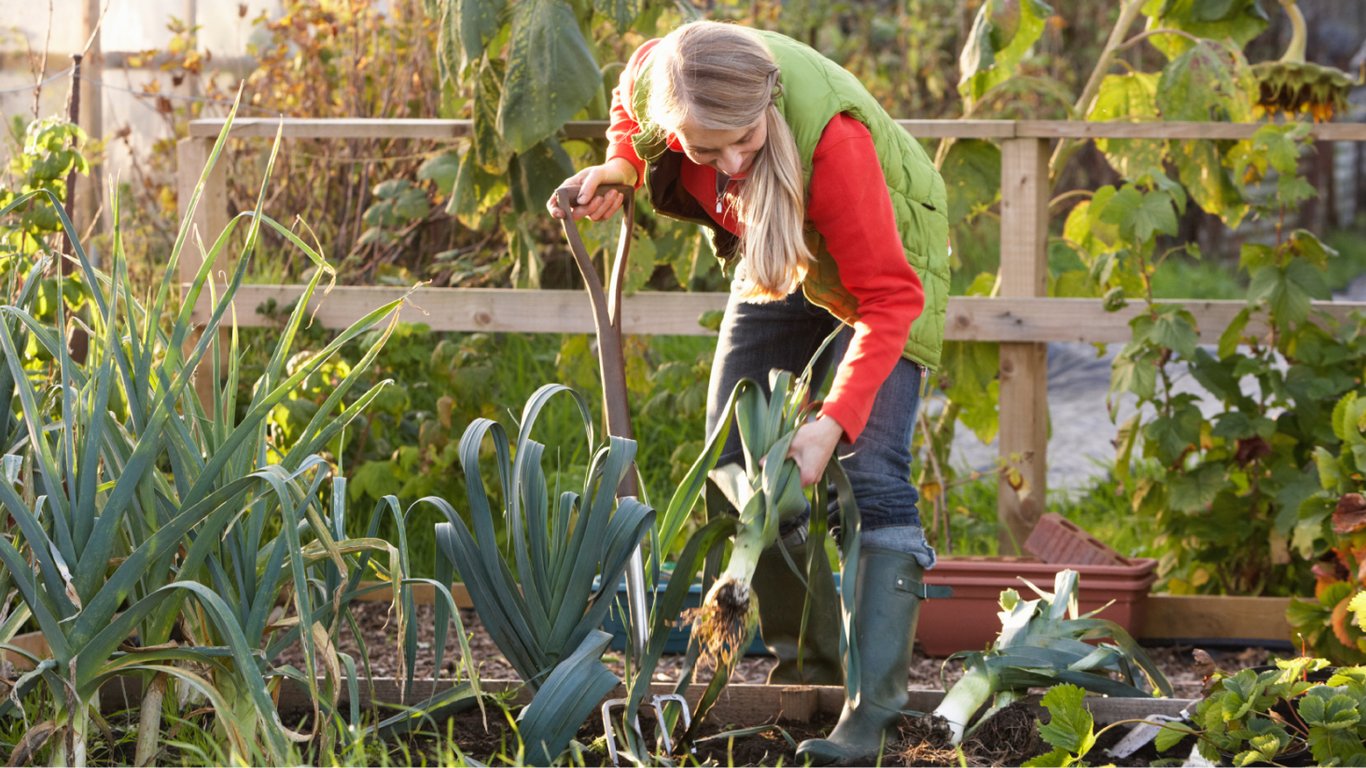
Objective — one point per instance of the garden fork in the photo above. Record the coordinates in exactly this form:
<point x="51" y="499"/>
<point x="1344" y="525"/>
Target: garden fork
<point x="612" y="367"/>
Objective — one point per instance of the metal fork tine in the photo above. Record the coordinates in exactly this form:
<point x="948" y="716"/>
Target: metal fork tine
<point x="658" y="703"/>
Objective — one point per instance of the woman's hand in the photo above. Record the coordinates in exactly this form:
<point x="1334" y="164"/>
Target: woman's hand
<point x="813" y="446"/>
<point x="614" y="171"/>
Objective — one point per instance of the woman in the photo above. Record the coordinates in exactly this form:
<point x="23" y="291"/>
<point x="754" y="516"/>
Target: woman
<point x="829" y="214"/>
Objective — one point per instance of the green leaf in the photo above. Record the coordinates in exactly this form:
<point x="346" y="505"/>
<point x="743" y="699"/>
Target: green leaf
<point x="1202" y="84"/>
<point x="1233" y="334"/>
<point x="1194" y="491"/>
<point x="1201" y="167"/>
<point x="1336" y="747"/>
<point x="1171" y="734"/>
<point x="1002" y="33"/>
<point x="569" y="696"/>
<point x="1347" y="418"/>
<point x="478" y="22"/>
<point x="1136" y="376"/>
<point x="1130" y="97"/>
<point x="1070" y="723"/>
<point x="1238" y="20"/>
<point x="1288" y="290"/>
<point x="441" y="170"/>
<point x="488" y="147"/>
<point x="475" y="195"/>
<point x="972" y="175"/>
<point x="621" y="12"/>
<point x="536" y="174"/>
<point x="1174" y="328"/>
<point x="551" y="73"/>
<point x="1325" y="708"/>
<point x="1060" y="758"/>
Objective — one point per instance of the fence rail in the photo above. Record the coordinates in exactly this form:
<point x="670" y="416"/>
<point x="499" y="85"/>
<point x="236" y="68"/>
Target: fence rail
<point x="1022" y="319"/>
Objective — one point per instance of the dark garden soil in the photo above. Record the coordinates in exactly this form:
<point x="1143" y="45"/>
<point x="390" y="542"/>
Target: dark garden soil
<point x="1009" y="739"/>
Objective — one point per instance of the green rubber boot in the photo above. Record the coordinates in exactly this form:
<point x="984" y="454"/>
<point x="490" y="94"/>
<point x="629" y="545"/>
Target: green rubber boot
<point x="816" y="659"/>
<point x="888" y="603"/>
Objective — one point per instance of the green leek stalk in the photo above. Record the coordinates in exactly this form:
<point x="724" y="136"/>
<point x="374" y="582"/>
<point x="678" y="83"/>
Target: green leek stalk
<point x="1042" y="643"/>
<point x="766" y="494"/>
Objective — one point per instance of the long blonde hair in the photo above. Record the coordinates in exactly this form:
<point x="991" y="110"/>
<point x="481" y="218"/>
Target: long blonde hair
<point x="723" y="78"/>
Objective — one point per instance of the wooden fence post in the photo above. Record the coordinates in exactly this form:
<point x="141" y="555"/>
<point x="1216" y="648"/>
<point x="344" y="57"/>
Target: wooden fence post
<point x="1023" y="437"/>
<point x="210" y="218"/>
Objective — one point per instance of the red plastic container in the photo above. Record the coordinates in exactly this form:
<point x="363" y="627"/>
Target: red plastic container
<point x="1056" y="539"/>
<point x="968" y="621"/>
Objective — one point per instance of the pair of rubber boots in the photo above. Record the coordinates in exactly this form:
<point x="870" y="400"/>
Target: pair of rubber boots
<point x="888" y="597"/>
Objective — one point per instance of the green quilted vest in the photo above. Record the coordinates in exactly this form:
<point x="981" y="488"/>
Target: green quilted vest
<point x="814" y="90"/>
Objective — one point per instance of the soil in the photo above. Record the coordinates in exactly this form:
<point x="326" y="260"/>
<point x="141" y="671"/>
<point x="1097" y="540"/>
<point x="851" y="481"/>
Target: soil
<point x="1008" y="739"/>
<point x="927" y="673"/>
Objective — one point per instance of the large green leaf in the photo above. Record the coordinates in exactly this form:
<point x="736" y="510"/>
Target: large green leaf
<point x="476" y="22"/>
<point x="621" y="12"/>
<point x="551" y="73"/>
<point x="1204" y="83"/>
<point x="1130" y="96"/>
<point x="1237" y="20"/>
<point x="972" y="175"/>
<point x="1001" y="35"/>
<point x="537" y="172"/>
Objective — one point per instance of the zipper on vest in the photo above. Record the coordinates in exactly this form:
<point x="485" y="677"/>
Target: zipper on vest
<point x="721" y="181"/>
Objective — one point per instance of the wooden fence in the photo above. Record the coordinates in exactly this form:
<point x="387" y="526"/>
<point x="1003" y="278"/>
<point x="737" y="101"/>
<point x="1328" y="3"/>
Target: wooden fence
<point x="1020" y="318"/>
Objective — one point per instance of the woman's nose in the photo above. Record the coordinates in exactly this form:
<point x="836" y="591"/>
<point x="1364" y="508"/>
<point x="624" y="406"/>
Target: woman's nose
<point x="730" y="161"/>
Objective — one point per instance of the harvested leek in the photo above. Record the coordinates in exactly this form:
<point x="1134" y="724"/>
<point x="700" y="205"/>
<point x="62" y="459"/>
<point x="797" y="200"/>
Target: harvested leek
<point x="766" y="492"/>
<point x="1043" y="642"/>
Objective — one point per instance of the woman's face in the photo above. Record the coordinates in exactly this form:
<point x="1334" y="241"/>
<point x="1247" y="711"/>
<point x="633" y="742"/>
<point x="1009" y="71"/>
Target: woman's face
<point x="730" y="151"/>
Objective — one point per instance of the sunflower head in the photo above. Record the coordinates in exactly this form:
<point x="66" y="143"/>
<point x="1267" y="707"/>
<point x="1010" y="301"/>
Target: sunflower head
<point x="1302" y="87"/>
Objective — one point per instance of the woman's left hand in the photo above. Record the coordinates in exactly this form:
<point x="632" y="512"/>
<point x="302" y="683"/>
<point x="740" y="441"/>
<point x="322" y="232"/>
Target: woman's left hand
<point x="813" y="446"/>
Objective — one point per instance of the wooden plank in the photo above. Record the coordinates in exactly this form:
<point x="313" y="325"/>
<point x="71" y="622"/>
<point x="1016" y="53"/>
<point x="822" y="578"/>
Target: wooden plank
<point x="411" y="128"/>
<point x="970" y="318"/>
<point x="960" y="129"/>
<point x="423" y="594"/>
<point x="1078" y="129"/>
<point x="973" y="318"/>
<point x="1023" y="440"/>
<point x="488" y="309"/>
<point x="1221" y="617"/>
<point x="336" y="128"/>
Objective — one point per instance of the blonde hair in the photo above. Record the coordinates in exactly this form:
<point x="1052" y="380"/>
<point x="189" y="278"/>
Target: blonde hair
<point x="721" y="77"/>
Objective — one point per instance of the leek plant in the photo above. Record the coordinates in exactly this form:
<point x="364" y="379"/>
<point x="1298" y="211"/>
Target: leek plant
<point x="766" y="492"/>
<point x="1044" y="642"/>
<point x="158" y="535"/>
<point x="544" y="599"/>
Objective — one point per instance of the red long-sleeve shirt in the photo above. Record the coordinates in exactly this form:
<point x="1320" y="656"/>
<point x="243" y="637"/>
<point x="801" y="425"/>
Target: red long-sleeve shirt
<point x="849" y="205"/>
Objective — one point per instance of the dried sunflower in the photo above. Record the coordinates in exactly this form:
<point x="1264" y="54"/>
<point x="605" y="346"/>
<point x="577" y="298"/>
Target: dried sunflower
<point x="1293" y="85"/>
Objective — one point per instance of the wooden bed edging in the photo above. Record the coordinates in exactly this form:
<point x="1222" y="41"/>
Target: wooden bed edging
<point x="1167" y="618"/>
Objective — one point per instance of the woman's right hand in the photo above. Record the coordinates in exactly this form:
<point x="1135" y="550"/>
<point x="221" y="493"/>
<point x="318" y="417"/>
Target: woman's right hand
<point x="599" y="208"/>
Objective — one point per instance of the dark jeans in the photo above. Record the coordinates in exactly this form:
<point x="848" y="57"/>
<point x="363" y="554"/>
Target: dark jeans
<point x="756" y="338"/>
